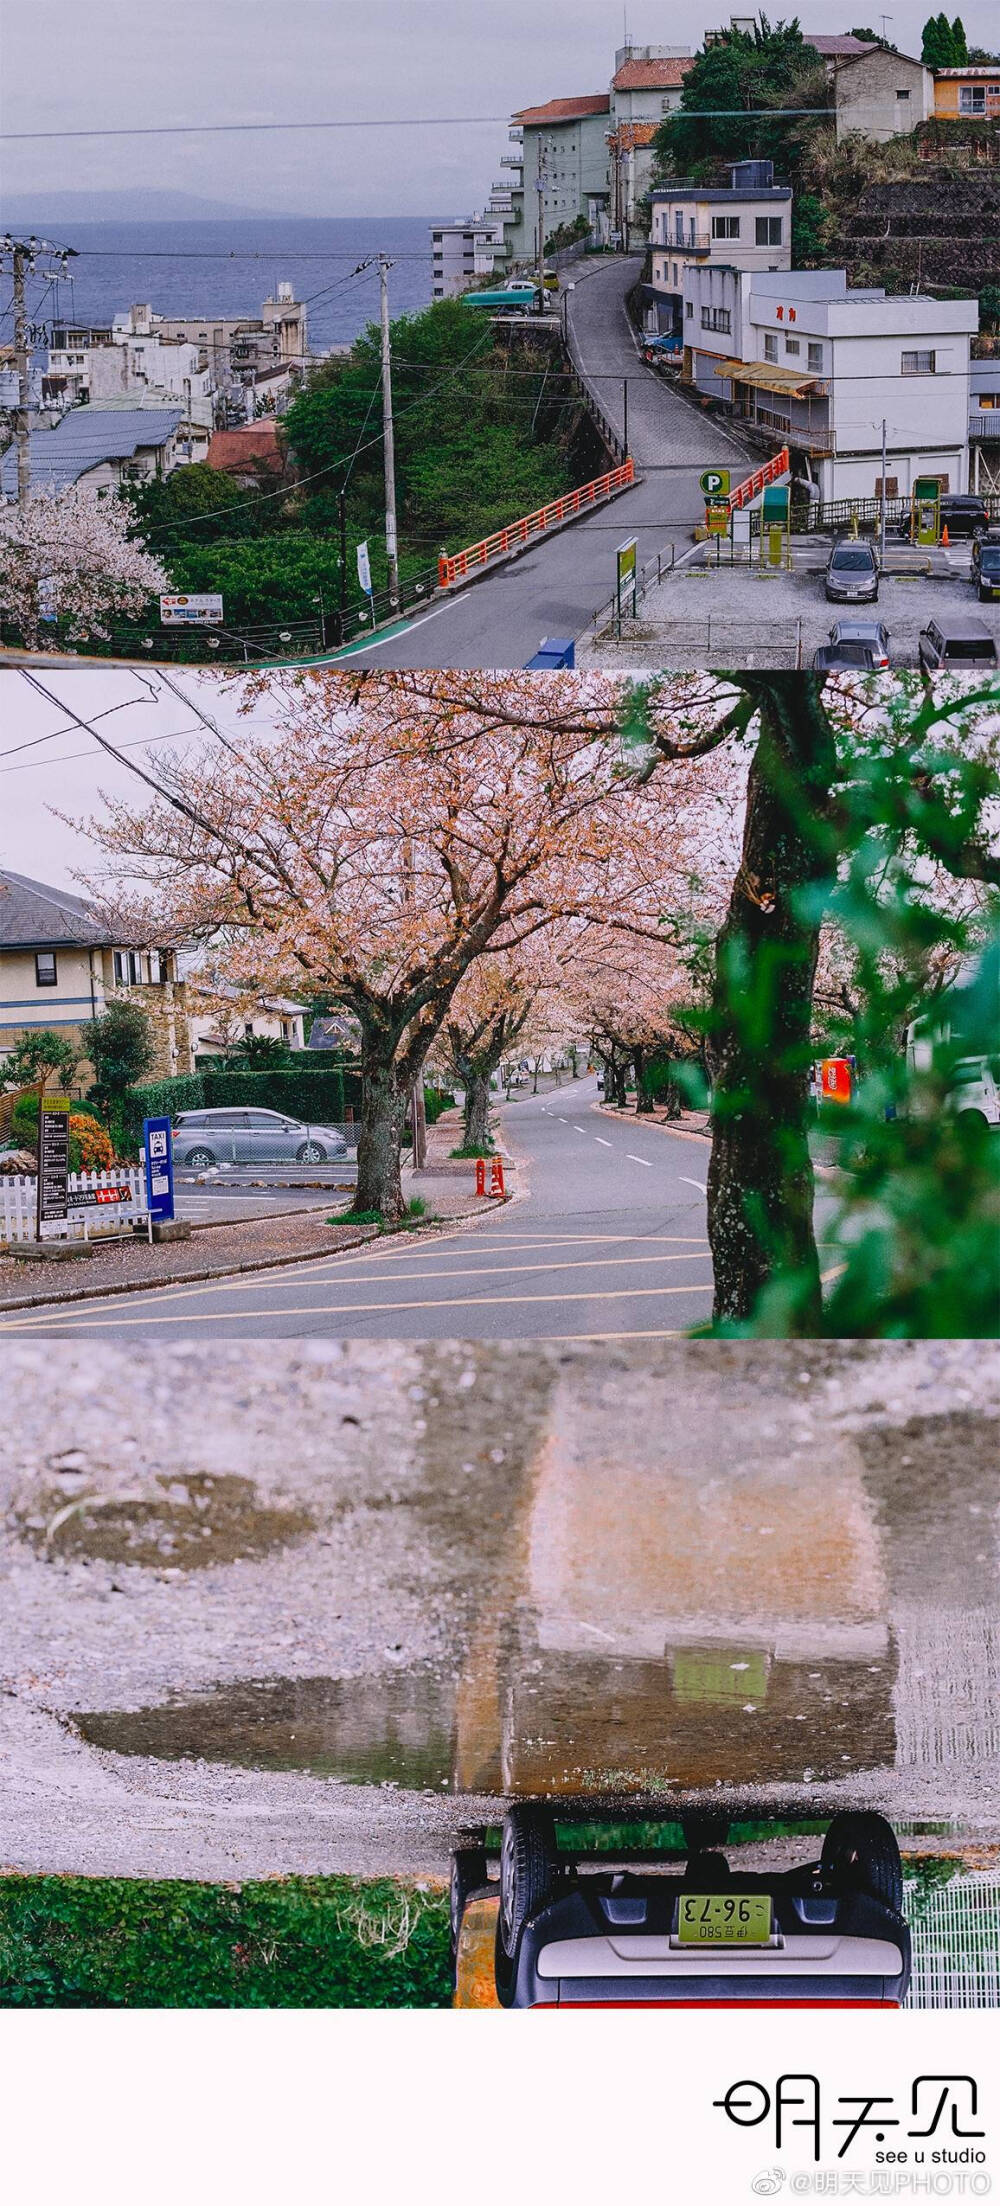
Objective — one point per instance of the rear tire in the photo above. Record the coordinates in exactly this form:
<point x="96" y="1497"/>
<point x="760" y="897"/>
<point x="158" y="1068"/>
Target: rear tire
<point x="469" y="1872"/>
<point x="529" y="1870"/>
<point x="860" y="1854"/>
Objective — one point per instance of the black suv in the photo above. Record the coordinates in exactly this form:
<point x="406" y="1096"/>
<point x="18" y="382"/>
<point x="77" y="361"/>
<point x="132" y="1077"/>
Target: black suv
<point x="962" y="516"/>
<point x="985" y="568"/>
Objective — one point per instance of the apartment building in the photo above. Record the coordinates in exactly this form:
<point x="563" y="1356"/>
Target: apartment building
<point x="747" y="226"/>
<point x="561" y="165"/>
<point x="645" y="89"/>
<point x="464" y="252"/>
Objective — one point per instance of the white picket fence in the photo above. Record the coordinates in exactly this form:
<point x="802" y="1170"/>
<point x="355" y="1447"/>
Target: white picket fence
<point x="91" y="1216"/>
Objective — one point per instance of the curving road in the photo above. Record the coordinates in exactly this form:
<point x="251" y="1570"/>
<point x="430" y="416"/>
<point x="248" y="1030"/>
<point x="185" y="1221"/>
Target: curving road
<point x="555" y="589"/>
<point x="609" y="1242"/>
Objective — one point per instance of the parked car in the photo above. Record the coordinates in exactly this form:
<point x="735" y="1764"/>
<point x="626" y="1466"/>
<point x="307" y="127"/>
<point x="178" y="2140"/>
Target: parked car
<point x="203" y="1138"/>
<point x="831" y="1932"/>
<point x="852" y="572"/>
<point x="872" y="633"/>
<point x="963" y="515"/>
<point x="984" y="568"/>
<point x="955" y="642"/>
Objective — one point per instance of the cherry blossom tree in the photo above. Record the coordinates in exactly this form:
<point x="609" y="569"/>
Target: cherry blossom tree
<point x="381" y="840"/>
<point x="80" y="548"/>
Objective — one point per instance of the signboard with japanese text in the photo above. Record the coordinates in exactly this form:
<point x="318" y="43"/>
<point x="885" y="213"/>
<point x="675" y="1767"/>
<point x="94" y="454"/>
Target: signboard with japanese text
<point x="180" y="611"/>
<point x="53" y="1160"/>
<point x="627" y="577"/>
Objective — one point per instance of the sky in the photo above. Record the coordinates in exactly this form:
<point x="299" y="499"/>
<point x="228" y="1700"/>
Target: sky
<point x="75" y="66"/>
<point x="64" y="771"/>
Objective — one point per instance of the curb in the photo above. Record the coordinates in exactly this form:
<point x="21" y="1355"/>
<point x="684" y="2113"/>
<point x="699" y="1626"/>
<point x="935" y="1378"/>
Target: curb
<point x="233" y="1271"/>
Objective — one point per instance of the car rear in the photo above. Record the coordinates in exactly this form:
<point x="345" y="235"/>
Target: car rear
<point x="599" y="1948"/>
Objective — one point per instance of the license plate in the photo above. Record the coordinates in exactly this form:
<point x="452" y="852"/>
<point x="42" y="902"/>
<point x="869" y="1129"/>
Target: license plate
<point x="724" y="1919"/>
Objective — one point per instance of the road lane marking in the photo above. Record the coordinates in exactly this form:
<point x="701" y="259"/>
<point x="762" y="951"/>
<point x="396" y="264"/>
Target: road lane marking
<point x="639" y="1160"/>
<point x="604" y="1144"/>
<point x="249" y="1286"/>
<point x="699" y="1184"/>
<point x="383" y="1309"/>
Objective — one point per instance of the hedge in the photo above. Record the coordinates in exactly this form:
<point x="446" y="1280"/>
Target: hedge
<point x="300" y="1942"/>
<point x="322" y="1097"/>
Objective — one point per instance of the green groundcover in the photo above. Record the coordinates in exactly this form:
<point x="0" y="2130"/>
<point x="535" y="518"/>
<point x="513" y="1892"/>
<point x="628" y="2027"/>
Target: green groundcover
<point x="296" y="1942"/>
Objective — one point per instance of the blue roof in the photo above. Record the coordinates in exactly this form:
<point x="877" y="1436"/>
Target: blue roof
<point x="86" y="436"/>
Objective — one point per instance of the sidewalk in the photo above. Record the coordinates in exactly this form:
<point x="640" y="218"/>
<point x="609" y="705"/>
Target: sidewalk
<point x="217" y="1250"/>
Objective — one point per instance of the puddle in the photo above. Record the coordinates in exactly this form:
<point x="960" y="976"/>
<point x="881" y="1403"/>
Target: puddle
<point x="700" y="1716"/>
<point x="367" y="1731"/>
<point x="193" y="1522"/>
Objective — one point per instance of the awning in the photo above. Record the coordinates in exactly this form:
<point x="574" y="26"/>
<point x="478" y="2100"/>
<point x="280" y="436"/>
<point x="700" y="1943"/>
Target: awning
<point x="763" y="377"/>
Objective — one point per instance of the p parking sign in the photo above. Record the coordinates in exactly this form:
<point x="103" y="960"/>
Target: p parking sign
<point x="715" y="483"/>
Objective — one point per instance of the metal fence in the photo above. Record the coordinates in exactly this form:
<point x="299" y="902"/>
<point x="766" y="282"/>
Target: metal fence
<point x="955" y="1932"/>
<point x="714" y="640"/>
<point x="101" y="1205"/>
<point x="258" y="645"/>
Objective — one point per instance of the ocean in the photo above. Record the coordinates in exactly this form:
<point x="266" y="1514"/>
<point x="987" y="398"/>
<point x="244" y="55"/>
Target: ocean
<point x="229" y="267"/>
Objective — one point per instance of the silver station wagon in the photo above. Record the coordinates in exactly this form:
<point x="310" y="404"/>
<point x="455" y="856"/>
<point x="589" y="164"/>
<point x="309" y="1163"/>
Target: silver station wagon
<point x="204" y="1138"/>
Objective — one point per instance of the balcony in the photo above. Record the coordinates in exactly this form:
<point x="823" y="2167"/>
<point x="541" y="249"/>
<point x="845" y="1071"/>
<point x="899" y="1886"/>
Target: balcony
<point x="697" y="241"/>
<point x="511" y="161"/>
<point x="984" y="425"/>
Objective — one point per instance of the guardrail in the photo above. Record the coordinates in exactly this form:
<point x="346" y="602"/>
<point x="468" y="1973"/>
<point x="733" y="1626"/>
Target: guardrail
<point x="458" y="566"/>
<point x="100" y="1204"/>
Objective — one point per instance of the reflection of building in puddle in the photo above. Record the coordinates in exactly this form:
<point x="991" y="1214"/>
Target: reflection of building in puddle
<point x="955" y="1928"/>
<point x="697" y="1606"/>
<point x="947" y="1702"/>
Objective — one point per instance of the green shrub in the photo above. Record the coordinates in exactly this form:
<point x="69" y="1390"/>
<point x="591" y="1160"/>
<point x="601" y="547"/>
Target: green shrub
<point x="437" y="1100"/>
<point x="315" y="1096"/>
<point x="304" y="1942"/>
<point x="155" y="1099"/>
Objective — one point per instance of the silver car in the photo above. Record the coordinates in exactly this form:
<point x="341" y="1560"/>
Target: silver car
<point x="852" y="572"/>
<point x="204" y="1138"/>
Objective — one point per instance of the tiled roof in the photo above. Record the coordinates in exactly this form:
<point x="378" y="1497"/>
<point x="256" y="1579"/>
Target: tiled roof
<point x="565" y="111"/>
<point x="255" y="445"/>
<point x="652" y="76"/>
<point x="35" y="916"/>
<point x="86" y="436"/>
<point x="833" y="46"/>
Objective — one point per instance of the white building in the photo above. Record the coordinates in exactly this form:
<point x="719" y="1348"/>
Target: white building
<point x="820" y="368"/>
<point x="130" y="365"/>
<point x="462" y="253"/>
<point x="748" y="226"/>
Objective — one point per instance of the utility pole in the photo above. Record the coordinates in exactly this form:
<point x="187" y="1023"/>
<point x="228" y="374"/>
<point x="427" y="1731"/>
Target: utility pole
<point x="24" y="256"/>
<point x="540" y="230"/>
<point x="388" y="446"/>
<point x="882" y="524"/>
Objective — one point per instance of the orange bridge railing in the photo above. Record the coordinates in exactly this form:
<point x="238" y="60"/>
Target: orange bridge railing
<point x="771" y="472"/>
<point x="459" y="565"/>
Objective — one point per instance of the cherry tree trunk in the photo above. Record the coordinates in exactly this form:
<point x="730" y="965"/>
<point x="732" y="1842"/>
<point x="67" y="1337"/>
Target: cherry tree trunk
<point x="760" y="1178"/>
<point x="477" y="1111"/>
<point x="383" y="1113"/>
<point x="643" y="1099"/>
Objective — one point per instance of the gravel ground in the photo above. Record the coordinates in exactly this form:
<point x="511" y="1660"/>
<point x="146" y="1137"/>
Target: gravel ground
<point x="376" y="1514"/>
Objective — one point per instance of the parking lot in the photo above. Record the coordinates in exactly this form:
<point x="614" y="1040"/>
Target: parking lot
<point x="710" y="616"/>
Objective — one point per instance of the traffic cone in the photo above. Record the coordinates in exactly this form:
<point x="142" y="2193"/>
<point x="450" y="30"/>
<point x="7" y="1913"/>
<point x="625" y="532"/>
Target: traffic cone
<point x="944" y="537"/>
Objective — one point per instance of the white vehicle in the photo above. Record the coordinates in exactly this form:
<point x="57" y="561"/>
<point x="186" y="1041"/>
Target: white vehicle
<point x="975" y="1081"/>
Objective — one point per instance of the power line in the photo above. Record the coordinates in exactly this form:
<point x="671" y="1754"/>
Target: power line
<point x="381" y="122"/>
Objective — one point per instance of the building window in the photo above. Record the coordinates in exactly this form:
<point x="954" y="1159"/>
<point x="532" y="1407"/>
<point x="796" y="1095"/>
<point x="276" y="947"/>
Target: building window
<point x="902" y="93"/>
<point x="891" y="486"/>
<point x="689" y="315"/>
<point x="972" y="99"/>
<point x="770" y="345"/>
<point x="157" y="965"/>
<point x="792" y="345"/>
<point x="716" y="317"/>
<point x="815" y="357"/>
<point x="45" y="969"/>
<point x="918" y="363"/>
<point x="127" y="968"/>
<point x="725" y="225"/>
<point x="769" y="228"/>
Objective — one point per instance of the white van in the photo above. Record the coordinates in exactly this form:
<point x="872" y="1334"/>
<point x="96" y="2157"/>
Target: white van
<point x="974" y="1090"/>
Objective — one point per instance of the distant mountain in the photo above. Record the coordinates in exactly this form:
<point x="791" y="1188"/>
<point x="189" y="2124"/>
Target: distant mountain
<point x="45" y="210"/>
